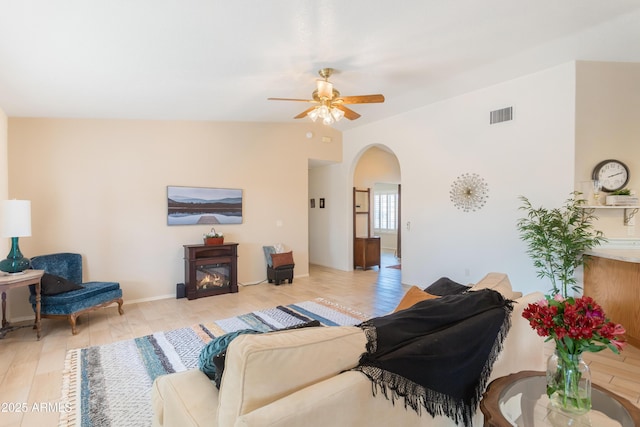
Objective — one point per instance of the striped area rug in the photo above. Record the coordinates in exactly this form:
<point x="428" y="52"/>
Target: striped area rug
<point x="110" y="385"/>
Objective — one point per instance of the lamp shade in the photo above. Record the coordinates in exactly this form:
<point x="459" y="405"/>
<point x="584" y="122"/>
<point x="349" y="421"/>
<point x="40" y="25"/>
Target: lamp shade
<point x="15" y="218"/>
<point x="325" y="89"/>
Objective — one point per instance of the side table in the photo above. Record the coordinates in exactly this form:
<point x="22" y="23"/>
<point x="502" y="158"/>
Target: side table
<point x="521" y="400"/>
<point x="29" y="277"/>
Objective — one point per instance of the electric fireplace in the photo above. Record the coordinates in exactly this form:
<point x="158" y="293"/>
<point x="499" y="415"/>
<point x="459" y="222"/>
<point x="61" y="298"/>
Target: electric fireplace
<point x="210" y="269"/>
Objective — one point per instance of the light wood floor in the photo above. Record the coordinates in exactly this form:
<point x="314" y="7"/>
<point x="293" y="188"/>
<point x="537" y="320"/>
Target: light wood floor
<point x="31" y="370"/>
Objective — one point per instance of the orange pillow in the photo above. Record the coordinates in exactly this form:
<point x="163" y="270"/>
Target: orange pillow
<point x="413" y="296"/>
<point x="285" y="258"/>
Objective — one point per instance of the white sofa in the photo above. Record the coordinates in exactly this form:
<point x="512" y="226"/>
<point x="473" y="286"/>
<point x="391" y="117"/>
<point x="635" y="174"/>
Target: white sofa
<point x="301" y="378"/>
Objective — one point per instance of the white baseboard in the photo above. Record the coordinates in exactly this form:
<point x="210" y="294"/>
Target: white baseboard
<point x="23" y="319"/>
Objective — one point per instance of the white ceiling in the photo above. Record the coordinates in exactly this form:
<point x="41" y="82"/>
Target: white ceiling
<point x="221" y="60"/>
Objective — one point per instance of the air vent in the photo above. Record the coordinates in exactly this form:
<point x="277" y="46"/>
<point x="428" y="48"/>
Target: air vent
<point x="502" y="115"/>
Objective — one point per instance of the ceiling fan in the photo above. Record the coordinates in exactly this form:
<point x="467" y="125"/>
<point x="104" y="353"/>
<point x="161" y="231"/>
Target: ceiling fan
<point x="329" y="105"/>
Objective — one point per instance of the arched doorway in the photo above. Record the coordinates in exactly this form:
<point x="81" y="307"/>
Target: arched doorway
<point x="378" y="170"/>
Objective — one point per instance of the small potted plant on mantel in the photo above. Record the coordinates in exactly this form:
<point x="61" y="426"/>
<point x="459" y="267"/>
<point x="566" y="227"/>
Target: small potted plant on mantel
<point x="621" y="197"/>
<point x="213" y="237"/>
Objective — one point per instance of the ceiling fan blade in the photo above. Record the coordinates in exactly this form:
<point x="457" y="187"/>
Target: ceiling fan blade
<point x="348" y="113"/>
<point x="290" y="99"/>
<point x="304" y="113"/>
<point x="361" y="99"/>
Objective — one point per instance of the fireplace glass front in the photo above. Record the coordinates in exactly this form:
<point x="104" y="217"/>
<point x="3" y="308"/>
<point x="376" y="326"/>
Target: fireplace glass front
<point x="213" y="276"/>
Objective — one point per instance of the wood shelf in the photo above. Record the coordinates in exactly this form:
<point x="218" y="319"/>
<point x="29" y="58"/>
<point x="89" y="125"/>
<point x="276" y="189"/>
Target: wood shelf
<point x="629" y="211"/>
<point x="610" y="207"/>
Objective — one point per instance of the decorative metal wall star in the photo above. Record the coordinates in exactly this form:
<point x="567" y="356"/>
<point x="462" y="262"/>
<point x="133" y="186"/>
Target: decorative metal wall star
<point x="469" y="192"/>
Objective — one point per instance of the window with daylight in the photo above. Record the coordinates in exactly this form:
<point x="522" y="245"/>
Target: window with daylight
<point x="385" y="209"/>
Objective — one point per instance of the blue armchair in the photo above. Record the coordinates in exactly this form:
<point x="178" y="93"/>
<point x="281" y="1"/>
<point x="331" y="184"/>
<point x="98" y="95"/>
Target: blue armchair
<point x="71" y="304"/>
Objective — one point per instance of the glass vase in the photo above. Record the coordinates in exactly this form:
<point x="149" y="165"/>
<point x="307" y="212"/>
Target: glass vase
<point x="569" y="382"/>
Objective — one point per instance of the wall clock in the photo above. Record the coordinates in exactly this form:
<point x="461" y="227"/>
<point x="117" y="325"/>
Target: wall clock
<point x="612" y="174"/>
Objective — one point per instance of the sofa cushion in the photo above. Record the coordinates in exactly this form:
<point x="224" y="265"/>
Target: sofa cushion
<point x="185" y="399"/>
<point x="213" y="355"/>
<point x="445" y="286"/>
<point x="87" y="290"/>
<point x="498" y="282"/>
<point x="260" y="369"/>
<point x="53" y="285"/>
<point x="413" y="295"/>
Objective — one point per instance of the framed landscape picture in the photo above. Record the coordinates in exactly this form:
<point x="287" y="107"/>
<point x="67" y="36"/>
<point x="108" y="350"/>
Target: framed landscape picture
<point x="201" y="205"/>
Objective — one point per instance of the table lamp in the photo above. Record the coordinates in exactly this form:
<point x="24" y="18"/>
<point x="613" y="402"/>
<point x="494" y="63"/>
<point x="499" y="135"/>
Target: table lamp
<point x="15" y="221"/>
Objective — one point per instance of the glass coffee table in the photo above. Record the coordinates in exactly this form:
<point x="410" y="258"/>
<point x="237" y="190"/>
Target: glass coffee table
<point x="521" y="400"/>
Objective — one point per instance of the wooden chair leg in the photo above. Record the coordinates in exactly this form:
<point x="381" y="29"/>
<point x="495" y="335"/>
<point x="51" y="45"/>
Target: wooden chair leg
<point x="120" y="310"/>
<point x="72" y="321"/>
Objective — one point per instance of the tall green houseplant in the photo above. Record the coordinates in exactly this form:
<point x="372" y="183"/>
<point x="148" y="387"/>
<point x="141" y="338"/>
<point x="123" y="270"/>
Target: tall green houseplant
<point x="557" y="240"/>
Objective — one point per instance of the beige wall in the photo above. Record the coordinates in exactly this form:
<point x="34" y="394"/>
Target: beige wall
<point x="608" y="127"/>
<point x="98" y="187"/>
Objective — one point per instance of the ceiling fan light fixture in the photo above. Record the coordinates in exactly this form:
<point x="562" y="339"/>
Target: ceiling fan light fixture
<point x="313" y="114"/>
<point x="330" y="106"/>
<point x="337" y="114"/>
<point x="325" y="89"/>
<point x="327" y="113"/>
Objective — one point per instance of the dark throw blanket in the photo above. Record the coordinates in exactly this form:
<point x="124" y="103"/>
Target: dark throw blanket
<point x="438" y="354"/>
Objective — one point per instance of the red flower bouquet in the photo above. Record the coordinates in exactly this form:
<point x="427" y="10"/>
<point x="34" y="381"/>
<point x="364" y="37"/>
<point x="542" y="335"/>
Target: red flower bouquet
<point x="576" y="325"/>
